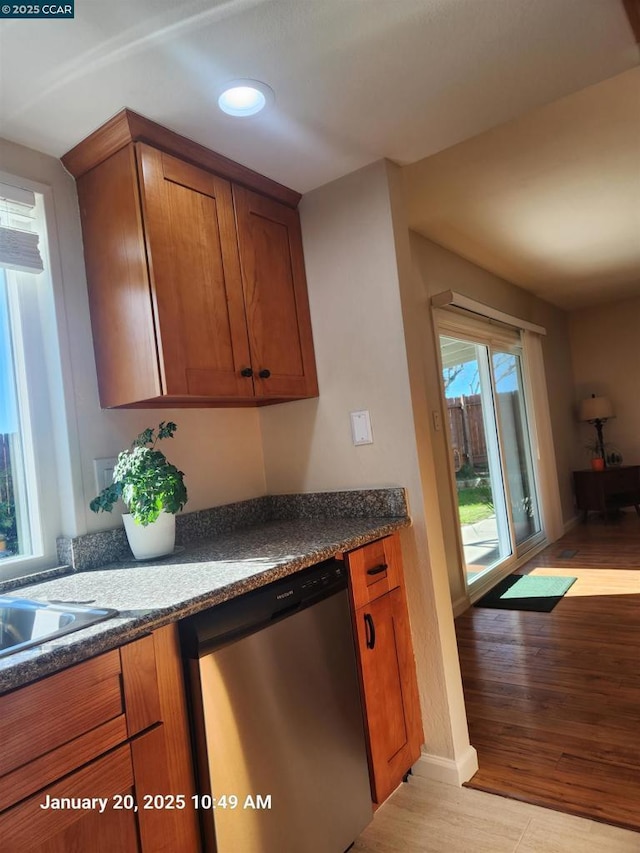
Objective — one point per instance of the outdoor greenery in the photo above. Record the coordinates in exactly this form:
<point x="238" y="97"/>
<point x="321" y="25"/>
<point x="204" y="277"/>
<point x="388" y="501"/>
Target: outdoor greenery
<point x="8" y="527"/>
<point x="475" y="503"/>
<point x="466" y="472"/>
<point x="144" y="479"/>
<point x="8" y="524"/>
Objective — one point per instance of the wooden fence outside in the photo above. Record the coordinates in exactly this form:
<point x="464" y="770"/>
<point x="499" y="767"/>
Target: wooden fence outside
<point x="466" y="428"/>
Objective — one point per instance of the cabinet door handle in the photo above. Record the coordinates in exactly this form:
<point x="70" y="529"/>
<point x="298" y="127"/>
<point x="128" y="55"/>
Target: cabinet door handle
<point x="264" y="374"/>
<point x="246" y="371"/>
<point x="370" y="630"/>
<point x="376" y="570"/>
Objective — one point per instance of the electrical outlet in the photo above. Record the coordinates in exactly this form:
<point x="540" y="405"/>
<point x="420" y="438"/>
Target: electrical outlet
<point x="103" y="471"/>
<point x="361" y="428"/>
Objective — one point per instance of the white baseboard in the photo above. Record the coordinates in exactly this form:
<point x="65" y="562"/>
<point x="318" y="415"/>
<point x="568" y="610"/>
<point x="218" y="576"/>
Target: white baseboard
<point x="573" y="522"/>
<point x="460" y="605"/>
<point x="447" y="770"/>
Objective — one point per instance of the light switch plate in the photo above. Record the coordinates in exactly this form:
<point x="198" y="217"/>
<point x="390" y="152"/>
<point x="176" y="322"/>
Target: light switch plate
<point x="361" y="427"/>
<point x="103" y="470"/>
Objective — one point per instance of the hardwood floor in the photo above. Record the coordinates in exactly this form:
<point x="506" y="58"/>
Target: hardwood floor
<point x="553" y="699"/>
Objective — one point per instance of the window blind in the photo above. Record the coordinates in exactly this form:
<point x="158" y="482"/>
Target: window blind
<point x="480" y="330"/>
<point x="18" y="236"/>
<point x="451" y="299"/>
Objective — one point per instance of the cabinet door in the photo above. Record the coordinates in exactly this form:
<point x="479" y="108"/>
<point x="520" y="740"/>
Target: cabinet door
<point x="122" y="319"/>
<point x="80" y="825"/>
<point x="392" y="707"/>
<point x="275" y="292"/>
<point x="195" y="278"/>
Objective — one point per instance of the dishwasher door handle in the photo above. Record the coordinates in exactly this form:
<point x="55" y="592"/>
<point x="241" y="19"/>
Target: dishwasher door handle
<point x="370" y="630"/>
<point x="286" y="611"/>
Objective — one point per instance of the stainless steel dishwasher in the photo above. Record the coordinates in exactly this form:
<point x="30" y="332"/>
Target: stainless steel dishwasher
<point x="279" y="739"/>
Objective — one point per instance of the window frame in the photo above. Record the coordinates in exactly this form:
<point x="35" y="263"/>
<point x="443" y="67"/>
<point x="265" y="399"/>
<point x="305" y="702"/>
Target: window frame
<point x="38" y="361"/>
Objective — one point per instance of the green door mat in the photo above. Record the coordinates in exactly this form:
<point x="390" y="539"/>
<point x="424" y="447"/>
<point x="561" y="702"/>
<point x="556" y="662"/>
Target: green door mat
<point x="527" y="592"/>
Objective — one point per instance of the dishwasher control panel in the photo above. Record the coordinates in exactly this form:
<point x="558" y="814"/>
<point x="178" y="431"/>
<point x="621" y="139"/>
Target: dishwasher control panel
<point x="228" y="621"/>
<point x="325" y="578"/>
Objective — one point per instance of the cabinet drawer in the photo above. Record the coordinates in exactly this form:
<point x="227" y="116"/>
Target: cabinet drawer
<point x="47" y="714"/>
<point x="374" y="570"/>
<point x="46" y="769"/>
<point x="49" y="727"/>
<point x="28" y="826"/>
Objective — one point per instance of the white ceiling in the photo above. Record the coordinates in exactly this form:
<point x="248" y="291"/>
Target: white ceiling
<point x="354" y="80"/>
<point x="550" y="201"/>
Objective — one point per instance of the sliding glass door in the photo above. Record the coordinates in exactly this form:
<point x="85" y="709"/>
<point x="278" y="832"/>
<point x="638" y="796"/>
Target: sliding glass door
<point x="490" y="442"/>
<point x="516" y="446"/>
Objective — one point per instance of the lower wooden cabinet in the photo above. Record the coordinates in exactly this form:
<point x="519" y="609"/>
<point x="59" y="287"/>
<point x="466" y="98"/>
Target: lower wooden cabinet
<point x="81" y="824"/>
<point x="114" y="730"/>
<point x="105" y="744"/>
<point x="603" y="491"/>
<point x="389" y="687"/>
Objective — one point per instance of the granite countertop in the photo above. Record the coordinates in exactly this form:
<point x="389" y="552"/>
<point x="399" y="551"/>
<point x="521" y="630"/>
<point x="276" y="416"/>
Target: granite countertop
<point x="152" y="594"/>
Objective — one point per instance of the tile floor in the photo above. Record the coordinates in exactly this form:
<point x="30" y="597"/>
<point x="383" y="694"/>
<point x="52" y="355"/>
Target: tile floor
<point x="436" y="818"/>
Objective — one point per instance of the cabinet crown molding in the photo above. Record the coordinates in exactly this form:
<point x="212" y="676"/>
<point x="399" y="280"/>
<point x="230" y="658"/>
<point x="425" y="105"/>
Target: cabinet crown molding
<point x="127" y="126"/>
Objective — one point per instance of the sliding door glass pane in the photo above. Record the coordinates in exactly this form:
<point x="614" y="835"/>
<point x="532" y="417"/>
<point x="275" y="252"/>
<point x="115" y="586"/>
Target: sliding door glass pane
<point x="516" y="446"/>
<point x="476" y="458"/>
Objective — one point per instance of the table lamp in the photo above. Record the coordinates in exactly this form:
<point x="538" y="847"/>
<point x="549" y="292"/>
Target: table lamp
<point x="597" y="410"/>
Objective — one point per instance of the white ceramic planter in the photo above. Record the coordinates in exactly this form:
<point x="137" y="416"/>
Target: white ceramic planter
<point x="154" y="540"/>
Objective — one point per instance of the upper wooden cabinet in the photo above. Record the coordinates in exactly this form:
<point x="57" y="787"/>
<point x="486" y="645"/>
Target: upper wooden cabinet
<point x="275" y="295"/>
<point x="197" y="287"/>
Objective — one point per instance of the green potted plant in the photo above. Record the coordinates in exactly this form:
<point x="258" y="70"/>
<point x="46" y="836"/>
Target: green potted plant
<point x="152" y="489"/>
<point x="597" y="459"/>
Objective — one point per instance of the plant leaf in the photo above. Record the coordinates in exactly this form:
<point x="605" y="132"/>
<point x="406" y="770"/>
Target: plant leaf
<point x="144" y="479"/>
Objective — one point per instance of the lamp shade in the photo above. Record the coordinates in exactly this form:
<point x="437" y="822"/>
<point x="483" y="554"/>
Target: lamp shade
<point x="595" y="409"/>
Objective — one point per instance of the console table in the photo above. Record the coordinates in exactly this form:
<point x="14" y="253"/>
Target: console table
<point x="606" y="490"/>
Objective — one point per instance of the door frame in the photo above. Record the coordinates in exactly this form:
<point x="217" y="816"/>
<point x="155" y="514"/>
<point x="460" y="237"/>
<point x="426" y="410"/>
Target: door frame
<point x="487" y="332"/>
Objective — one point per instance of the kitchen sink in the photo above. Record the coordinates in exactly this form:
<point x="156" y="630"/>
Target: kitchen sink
<point x="25" y="622"/>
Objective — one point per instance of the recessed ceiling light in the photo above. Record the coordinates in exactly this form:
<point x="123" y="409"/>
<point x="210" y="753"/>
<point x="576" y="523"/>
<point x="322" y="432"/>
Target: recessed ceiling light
<point x="245" y="97"/>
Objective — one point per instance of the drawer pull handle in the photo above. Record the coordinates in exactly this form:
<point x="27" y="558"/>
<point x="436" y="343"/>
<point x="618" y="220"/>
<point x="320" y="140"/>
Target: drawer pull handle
<point x="246" y="371"/>
<point x="376" y="570"/>
<point x="370" y="630"/>
<point x="264" y="374"/>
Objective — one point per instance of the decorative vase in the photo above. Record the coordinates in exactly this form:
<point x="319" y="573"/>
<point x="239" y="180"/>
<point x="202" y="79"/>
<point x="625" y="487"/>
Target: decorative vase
<point x="613" y="456"/>
<point x="597" y="463"/>
<point x="155" y="540"/>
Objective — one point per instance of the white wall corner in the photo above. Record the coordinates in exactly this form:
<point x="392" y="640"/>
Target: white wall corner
<point x="448" y="770"/>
